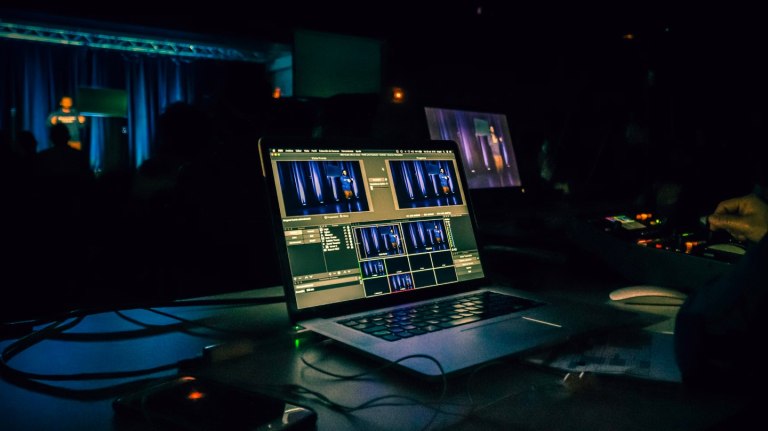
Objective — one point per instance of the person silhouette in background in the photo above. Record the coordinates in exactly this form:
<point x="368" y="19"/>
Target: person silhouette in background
<point x="61" y="161"/>
<point x="721" y="326"/>
<point x="745" y="218"/>
<point x="174" y="194"/>
<point x="26" y="146"/>
<point x="71" y="118"/>
<point x="62" y="204"/>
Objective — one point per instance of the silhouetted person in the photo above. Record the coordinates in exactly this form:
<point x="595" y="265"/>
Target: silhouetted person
<point x="8" y="160"/>
<point x="172" y="191"/>
<point x="60" y="220"/>
<point x="720" y="328"/>
<point x="12" y="230"/>
<point x="61" y="161"/>
<point x="26" y="147"/>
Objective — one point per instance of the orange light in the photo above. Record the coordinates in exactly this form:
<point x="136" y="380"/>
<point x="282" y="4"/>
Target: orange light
<point x="628" y="36"/>
<point x="195" y="395"/>
<point x="398" y="95"/>
<point x="276" y="93"/>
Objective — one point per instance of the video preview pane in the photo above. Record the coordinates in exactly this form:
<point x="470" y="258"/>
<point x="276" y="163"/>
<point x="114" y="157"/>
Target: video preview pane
<point x="376" y="241"/>
<point x="424" y="236"/>
<point x="425" y="183"/>
<point x="321" y="187"/>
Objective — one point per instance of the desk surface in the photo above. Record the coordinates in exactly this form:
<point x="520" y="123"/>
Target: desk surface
<point x="508" y="394"/>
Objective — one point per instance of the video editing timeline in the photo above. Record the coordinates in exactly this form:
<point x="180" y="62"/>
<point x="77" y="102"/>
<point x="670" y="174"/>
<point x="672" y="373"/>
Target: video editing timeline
<point x="362" y="223"/>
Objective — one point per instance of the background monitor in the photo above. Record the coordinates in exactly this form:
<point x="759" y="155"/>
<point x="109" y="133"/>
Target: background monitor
<point x="485" y="144"/>
<point x="102" y="102"/>
<point x="328" y="64"/>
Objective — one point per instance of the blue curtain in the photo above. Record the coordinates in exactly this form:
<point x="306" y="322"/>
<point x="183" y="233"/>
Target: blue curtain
<point x="316" y="173"/>
<point x="153" y="83"/>
<point x="34" y="76"/>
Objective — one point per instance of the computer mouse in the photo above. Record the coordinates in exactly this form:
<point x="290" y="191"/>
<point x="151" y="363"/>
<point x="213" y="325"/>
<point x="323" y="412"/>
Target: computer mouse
<point x="648" y="294"/>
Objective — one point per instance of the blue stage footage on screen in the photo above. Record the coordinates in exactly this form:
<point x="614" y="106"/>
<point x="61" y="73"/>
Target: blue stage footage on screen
<point x="322" y="187"/>
<point x="400" y="282"/>
<point x="391" y="284"/>
<point x="425" y="183"/>
<point x="380" y="240"/>
<point x="425" y="236"/>
<point x="373" y="268"/>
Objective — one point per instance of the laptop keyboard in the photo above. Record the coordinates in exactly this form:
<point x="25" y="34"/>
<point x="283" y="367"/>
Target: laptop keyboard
<point x="411" y="321"/>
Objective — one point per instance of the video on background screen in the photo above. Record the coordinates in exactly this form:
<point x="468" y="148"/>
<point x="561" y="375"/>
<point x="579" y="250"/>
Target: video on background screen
<point x="484" y="142"/>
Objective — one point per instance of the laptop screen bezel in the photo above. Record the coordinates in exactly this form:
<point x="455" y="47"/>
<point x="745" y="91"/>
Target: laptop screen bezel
<point x="298" y="314"/>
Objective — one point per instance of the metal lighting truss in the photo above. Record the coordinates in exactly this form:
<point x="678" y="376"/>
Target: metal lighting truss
<point x="134" y="44"/>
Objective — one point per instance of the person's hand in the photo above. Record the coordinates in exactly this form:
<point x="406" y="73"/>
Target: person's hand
<point x="53" y="120"/>
<point x="81" y="119"/>
<point x="745" y="218"/>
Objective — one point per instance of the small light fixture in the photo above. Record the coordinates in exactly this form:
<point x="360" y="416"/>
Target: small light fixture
<point x="398" y="95"/>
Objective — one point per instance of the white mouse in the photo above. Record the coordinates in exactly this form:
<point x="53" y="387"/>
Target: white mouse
<point x="648" y="294"/>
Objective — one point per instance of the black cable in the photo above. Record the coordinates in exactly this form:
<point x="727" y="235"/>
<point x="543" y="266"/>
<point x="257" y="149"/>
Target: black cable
<point x="373" y="402"/>
<point x="149" y="329"/>
<point x="30" y="340"/>
<point x="17" y="326"/>
<point x="20" y="378"/>
<point x="199" y="324"/>
<point x="71" y="319"/>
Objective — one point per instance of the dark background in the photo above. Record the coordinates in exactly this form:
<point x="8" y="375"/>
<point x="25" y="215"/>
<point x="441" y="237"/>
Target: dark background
<point x="690" y="82"/>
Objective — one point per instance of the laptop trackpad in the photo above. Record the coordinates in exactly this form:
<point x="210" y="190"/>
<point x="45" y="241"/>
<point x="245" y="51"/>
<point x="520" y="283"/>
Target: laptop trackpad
<point x="514" y="323"/>
<point x="512" y="335"/>
<point x="466" y="347"/>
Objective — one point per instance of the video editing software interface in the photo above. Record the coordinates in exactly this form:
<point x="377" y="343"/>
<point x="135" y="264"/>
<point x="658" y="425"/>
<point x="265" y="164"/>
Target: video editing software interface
<point x="364" y="223"/>
<point x="485" y="145"/>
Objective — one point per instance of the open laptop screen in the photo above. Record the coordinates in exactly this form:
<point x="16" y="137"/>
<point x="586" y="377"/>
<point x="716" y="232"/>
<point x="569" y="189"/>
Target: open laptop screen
<point x="360" y="223"/>
<point x="485" y="145"/>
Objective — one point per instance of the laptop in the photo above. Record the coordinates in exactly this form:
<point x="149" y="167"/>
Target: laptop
<point x="379" y="251"/>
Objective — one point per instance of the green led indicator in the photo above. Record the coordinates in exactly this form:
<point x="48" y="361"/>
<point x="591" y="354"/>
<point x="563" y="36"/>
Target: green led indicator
<point x="297" y="343"/>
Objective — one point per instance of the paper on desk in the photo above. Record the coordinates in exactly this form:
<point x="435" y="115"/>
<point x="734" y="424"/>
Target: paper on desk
<point x="641" y="354"/>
